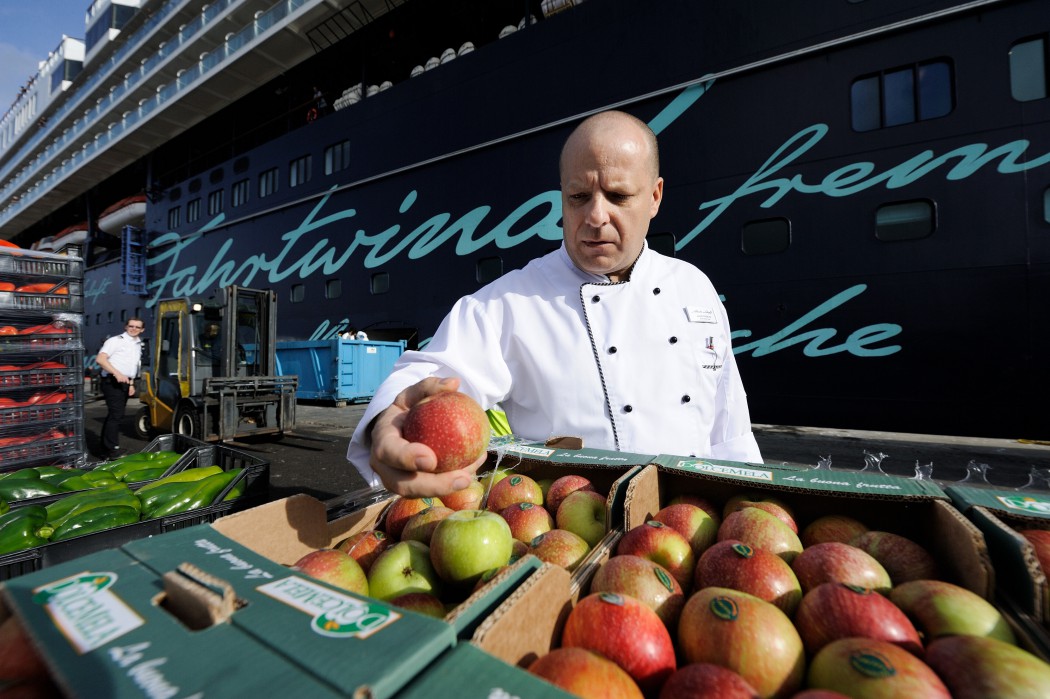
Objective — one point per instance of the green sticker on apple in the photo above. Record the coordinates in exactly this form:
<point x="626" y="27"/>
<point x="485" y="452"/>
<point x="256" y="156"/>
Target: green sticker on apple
<point x="664" y="578"/>
<point x="872" y="664"/>
<point x="611" y="598"/>
<point x="514" y="480"/>
<point x="743" y="550"/>
<point x="724" y="608"/>
<point x="857" y="588"/>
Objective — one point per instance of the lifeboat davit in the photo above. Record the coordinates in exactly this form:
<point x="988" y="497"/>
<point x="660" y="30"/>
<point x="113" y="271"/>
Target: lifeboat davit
<point x="77" y="234"/>
<point x="126" y="212"/>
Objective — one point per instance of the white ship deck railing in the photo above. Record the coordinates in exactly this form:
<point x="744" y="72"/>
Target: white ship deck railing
<point x="165" y="93"/>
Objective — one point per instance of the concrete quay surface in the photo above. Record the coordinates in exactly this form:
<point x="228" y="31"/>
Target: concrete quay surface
<point x="313" y="459"/>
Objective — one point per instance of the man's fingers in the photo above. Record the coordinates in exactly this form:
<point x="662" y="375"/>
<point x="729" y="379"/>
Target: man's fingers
<point x="418" y="484"/>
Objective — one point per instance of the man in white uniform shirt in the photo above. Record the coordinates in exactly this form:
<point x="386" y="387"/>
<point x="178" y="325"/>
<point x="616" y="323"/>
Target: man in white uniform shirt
<point x="603" y="339"/>
<point x="120" y="359"/>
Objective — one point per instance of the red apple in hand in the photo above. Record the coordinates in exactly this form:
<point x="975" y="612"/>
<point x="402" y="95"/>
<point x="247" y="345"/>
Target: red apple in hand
<point x="562" y="486"/>
<point x="745" y="634"/>
<point x="453" y="425"/>
<point x="365" y="546"/>
<point x="841" y="528"/>
<point x="644" y="580"/>
<point x="662" y="545"/>
<point x="700" y="680"/>
<point x="760" y="573"/>
<point x="585" y="674"/>
<point x="832" y="611"/>
<point x="626" y="632"/>
<point x="334" y="567"/>
<point x="903" y="559"/>
<point x="837" y="562"/>
<point x="865" y="668"/>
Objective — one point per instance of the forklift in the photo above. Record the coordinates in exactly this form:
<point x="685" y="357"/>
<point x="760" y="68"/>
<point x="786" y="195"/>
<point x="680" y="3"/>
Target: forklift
<point x="211" y="369"/>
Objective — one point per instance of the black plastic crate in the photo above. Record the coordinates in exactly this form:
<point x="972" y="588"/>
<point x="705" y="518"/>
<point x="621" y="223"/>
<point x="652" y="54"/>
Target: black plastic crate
<point x="64" y="297"/>
<point x="33" y="335"/>
<point x="39" y="373"/>
<point x="256" y="470"/>
<point x="35" y="264"/>
<point x="59" y="442"/>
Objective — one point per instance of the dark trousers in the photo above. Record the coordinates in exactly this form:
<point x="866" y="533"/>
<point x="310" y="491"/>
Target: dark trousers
<point x="116" y="397"/>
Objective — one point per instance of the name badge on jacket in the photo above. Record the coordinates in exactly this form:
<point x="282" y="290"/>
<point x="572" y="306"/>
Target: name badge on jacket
<point x="696" y="314"/>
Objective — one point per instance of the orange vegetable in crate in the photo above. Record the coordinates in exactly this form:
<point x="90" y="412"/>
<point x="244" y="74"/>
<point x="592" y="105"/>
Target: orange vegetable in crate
<point x="48" y="398"/>
<point x="7" y="286"/>
<point x="38" y="288"/>
<point x="8" y="330"/>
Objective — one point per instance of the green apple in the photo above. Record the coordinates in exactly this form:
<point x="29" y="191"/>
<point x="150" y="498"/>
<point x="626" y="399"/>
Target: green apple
<point x="939" y="608"/>
<point x="404" y="567"/>
<point x="469" y="542"/>
<point x="582" y="512"/>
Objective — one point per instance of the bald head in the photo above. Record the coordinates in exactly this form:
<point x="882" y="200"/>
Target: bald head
<point x="614" y="126"/>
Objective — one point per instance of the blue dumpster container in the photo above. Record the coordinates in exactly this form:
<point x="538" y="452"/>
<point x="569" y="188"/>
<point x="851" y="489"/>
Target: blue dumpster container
<point x="340" y="370"/>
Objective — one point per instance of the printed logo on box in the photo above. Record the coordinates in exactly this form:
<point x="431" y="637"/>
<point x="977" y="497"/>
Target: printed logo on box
<point x="333" y="614"/>
<point x="86" y="611"/>
<point x="1025" y="503"/>
<point x="542" y="452"/>
<point x="722" y="470"/>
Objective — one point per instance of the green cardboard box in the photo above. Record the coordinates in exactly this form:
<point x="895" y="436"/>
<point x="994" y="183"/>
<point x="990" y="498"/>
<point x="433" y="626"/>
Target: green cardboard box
<point x="1000" y="515"/>
<point x="467" y="672"/>
<point x="917" y="509"/>
<point x="105" y="629"/>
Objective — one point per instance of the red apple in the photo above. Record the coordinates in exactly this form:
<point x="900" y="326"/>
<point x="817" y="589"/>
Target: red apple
<point x="833" y="561"/>
<point x="745" y="634"/>
<point x="626" y="632"/>
<point x="903" y="559"/>
<point x="819" y="694"/>
<point x="736" y="565"/>
<point x="841" y="528"/>
<point x="421" y="603"/>
<point x="644" y="580"/>
<point x="467" y="499"/>
<point x="582" y="512"/>
<point x="585" y="674"/>
<point x="975" y="666"/>
<point x="20" y="663"/>
<point x="560" y="547"/>
<point x="335" y="568"/>
<point x="453" y="425"/>
<point x="401" y="510"/>
<point x="662" y="545"/>
<point x="365" y="546"/>
<point x="421" y="526"/>
<point x="1040" y="541"/>
<point x="512" y="490"/>
<point x="772" y="505"/>
<point x="703" y="503"/>
<point x="761" y="530"/>
<point x="864" y="668"/>
<point x="698" y="527"/>
<point x="562" y="486"/>
<point x="832" y="611"/>
<point x="527" y="521"/>
<point x="939" y="608"/>
<point x="700" y="680"/>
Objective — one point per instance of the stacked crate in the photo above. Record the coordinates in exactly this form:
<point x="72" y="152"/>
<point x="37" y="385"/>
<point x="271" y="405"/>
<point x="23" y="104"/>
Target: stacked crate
<point x="41" y="359"/>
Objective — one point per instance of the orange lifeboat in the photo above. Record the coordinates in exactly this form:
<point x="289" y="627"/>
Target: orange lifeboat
<point x="130" y="211"/>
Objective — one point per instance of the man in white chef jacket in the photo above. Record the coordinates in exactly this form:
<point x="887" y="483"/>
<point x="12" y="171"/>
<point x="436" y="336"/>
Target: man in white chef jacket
<point x="603" y="339"/>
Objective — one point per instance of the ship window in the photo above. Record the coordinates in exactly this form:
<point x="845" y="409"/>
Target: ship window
<point x="333" y="289"/>
<point x="174" y="215"/>
<point x="298" y="293"/>
<point x="380" y="283"/>
<point x="268" y="183"/>
<point x="299" y="170"/>
<point x="908" y="220"/>
<point x="902" y="96"/>
<point x="239" y="192"/>
<point x="489" y="269"/>
<point x="215" y="176"/>
<point x="193" y="210"/>
<point x="98" y="318"/>
<point x="124" y="316"/>
<point x="1028" y="62"/>
<point x="175" y="193"/>
<point x="662" y="243"/>
<point x="240" y="165"/>
<point x="336" y="157"/>
<point x="195" y="186"/>
<point x="215" y="202"/>
<point x="765" y="237"/>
